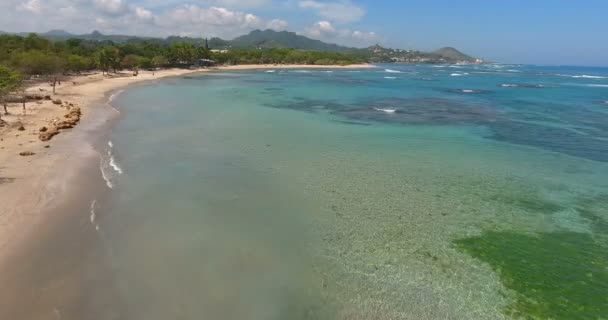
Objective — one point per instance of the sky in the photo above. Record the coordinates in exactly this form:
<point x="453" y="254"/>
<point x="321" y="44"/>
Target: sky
<point x="552" y="32"/>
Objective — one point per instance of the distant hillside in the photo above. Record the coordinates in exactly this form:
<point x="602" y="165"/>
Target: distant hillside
<point x="283" y="39"/>
<point x="452" y="54"/>
<point x="268" y="39"/>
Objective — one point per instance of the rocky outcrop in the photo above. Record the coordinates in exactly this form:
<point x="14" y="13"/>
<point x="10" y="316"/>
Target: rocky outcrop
<point x="48" y="134"/>
<point x="70" y="120"/>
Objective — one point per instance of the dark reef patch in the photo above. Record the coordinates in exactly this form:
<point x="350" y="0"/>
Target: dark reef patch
<point x="551" y="276"/>
<point x="575" y="131"/>
<point x="427" y="111"/>
<point x="550" y="138"/>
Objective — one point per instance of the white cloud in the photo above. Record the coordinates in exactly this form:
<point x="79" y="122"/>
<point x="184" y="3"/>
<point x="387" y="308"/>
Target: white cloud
<point x="33" y="6"/>
<point x="343" y="11"/>
<point x="68" y="11"/>
<point x="141" y="17"/>
<point x="325" y="31"/>
<point x="143" y="14"/>
<point x="111" y="7"/>
<point x="278" y="25"/>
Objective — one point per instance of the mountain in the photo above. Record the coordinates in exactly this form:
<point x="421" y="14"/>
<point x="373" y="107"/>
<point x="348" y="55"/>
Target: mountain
<point x="452" y="54"/>
<point x="283" y="39"/>
<point x="57" y="33"/>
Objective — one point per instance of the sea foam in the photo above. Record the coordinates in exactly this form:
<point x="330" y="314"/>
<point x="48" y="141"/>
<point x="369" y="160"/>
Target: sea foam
<point x="114" y="95"/>
<point x="392" y="71"/>
<point x="390" y="111"/>
<point x="93" y="216"/>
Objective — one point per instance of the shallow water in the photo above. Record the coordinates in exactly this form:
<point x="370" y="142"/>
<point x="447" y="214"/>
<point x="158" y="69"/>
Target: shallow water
<point x="348" y="195"/>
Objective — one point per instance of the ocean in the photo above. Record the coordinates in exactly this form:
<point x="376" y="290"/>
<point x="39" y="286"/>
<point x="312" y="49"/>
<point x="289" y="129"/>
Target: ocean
<point x="397" y="192"/>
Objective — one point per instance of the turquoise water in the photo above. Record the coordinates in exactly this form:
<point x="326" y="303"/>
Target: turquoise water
<point x="399" y="192"/>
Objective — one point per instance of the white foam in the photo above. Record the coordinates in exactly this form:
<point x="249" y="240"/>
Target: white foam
<point x="113" y="162"/>
<point x="114" y="95"/>
<point x="92" y="211"/>
<point x="271" y="71"/>
<point x="390" y="77"/>
<point x="93" y="216"/>
<point x="115" y="165"/>
<point x="584" y="76"/>
<point x="105" y="176"/>
<point x="508" y="85"/>
<point x="458" y="74"/>
<point x="392" y="71"/>
<point x="467" y="90"/>
<point x="597" y="85"/>
<point x="390" y="111"/>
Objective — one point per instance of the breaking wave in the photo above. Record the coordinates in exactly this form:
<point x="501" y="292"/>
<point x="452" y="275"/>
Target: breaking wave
<point x="93" y="215"/>
<point x="386" y="110"/>
<point x="392" y="71"/>
<point x="109" y="166"/>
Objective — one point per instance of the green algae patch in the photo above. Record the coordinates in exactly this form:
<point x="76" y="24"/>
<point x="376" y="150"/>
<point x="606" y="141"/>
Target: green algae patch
<point x="561" y="275"/>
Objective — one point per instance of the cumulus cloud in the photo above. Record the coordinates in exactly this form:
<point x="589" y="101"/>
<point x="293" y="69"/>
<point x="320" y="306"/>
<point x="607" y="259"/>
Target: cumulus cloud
<point x="33" y="6"/>
<point x="278" y="25"/>
<point x="143" y="14"/>
<point x="343" y="11"/>
<point x="204" y="18"/>
<point x="325" y="31"/>
<point x="111" y="7"/>
<point x="193" y="17"/>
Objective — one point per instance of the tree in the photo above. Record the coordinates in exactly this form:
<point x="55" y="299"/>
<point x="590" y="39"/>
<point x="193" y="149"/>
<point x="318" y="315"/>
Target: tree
<point x="78" y="63"/>
<point x="9" y="81"/>
<point x="159" y="61"/>
<point x="182" y="53"/>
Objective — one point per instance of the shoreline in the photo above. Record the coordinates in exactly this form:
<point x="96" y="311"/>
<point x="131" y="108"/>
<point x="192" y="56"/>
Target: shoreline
<point x="86" y="92"/>
<point x="47" y="191"/>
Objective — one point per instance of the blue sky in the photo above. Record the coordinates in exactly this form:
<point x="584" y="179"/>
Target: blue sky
<point x="513" y="31"/>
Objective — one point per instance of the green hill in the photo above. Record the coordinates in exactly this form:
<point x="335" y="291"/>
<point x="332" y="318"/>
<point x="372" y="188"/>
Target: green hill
<point x="450" y="53"/>
<point x="283" y="39"/>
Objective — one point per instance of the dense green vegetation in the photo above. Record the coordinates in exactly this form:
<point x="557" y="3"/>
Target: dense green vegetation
<point x="549" y="273"/>
<point x="34" y="55"/>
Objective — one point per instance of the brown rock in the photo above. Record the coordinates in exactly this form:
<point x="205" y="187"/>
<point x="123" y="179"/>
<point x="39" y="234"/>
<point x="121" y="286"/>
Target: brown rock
<point x="43" y="129"/>
<point x="57" y="101"/>
<point x="64" y="125"/>
<point x="21" y="128"/>
<point x="48" y="135"/>
<point x="26" y="153"/>
<point x="47" y="97"/>
<point x="47" y="146"/>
